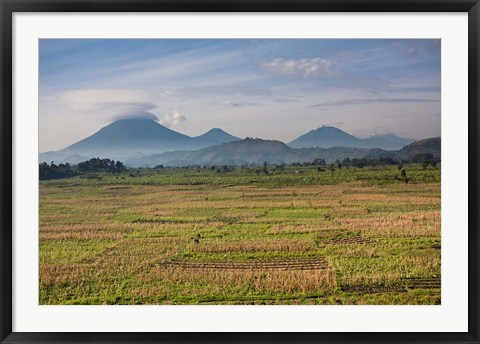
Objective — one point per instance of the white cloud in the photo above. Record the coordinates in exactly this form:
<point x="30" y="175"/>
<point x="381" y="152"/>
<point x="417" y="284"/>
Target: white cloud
<point x="238" y="104"/>
<point x="136" y="115"/>
<point x="167" y="93"/>
<point x="376" y="101"/>
<point x="118" y="101"/>
<point x="302" y="67"/>
<point x="173" y="120"/>
<point x="232" y="89"/>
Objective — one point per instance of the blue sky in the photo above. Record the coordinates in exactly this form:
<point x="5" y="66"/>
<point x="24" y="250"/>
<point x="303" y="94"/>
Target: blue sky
<point x="273" y="89"/>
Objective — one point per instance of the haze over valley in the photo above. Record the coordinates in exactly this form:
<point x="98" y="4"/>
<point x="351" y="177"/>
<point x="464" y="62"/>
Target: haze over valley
<point x="143" y="142"/>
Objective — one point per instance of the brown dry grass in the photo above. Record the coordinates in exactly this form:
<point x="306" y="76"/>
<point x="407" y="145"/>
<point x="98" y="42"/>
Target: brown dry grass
<point x="300" y="229"/>
<point x="62" y="273"/>
<point x="251" y="280"/>
<point x="412" y="224"/>
<point x="391" y="270"/>
<point x="254" y="246"/>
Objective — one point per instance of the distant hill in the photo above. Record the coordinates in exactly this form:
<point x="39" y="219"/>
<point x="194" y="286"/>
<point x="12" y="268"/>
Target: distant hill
<point x="327" y="136"/>
<point x="256" y="151"/>
<point x="128" y="138"/>
<point x="419" y="149"/>
<point x="388" y="142"/>
<point x="61" y="157"/>
<point x="248" y="151"/>
<point x="233" y="153"/>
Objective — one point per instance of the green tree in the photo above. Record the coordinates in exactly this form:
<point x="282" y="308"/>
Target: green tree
<point x="265" y="167"/>
<point x="403" y="176"/>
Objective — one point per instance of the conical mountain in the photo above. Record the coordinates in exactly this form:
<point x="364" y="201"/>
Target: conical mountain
<point x="213" y="137"/>
<point x="325" y="137"/>
<point x="130" y="137"/>
<point x="131" y="134"/>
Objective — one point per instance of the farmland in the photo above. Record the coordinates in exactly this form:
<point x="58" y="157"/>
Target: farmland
<point x="205" y="236"/>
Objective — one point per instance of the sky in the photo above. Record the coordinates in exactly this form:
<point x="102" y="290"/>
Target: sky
<point x="267" y="88"/>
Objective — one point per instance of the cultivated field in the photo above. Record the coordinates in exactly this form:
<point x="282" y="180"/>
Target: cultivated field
<point x="188" y="236"/>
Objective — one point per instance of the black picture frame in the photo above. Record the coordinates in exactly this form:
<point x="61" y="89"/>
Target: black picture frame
<point x="9" y="7"/>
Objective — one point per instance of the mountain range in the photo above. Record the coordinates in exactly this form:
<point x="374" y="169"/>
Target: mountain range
<point x="247" y="151"/>
<point x="256" y="151"/>
<point x="128" y="138"/>
<point x="145" y="142"/>
<point x="327" y="136"/>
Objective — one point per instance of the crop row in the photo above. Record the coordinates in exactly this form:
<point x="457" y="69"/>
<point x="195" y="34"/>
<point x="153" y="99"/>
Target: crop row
<point x="342" y="241"/>
<point x="422" y="283"/>
<point x="406" y="283"/>
<point x="303" y="264"/>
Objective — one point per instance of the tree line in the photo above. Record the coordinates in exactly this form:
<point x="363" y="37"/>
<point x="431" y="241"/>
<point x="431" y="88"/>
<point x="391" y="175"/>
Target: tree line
<point x="54" y="171"/>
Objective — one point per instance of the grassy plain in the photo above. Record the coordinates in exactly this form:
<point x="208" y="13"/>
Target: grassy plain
<point x="298" y="236"/>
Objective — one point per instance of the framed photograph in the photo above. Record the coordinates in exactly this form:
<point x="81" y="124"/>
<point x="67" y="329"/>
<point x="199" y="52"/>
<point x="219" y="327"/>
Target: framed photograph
<point x="239" y="171"/>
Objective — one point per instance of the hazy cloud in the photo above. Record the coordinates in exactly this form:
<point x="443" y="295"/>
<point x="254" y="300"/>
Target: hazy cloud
<point x="240" y="104"/>
<point x="167" y="93"/>
<point x="133" y="115"/>
<point x="414" y="89"/>
<point x="302" y="67"/>
<point x="118" y="101"/>
<point x="173" y="120"/>
<point x="418" y="48"/>
<point x="374" y="101"/>
<point x="221" y="90"/>
<point x="124" y="106"/>
<point x="286" y="100"/>
<point x="334" y="124"/>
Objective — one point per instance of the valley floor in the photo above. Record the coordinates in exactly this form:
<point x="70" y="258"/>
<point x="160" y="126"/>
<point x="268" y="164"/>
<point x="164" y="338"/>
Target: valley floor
<point x="188" y="236"/>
